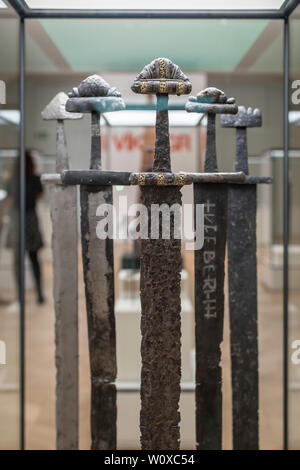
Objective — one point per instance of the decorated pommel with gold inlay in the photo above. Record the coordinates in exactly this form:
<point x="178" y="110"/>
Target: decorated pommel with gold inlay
<point x="163" y="77"/>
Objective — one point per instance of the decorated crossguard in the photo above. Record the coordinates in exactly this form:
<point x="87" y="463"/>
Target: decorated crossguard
<point x="160" y="273"/>
<point x="95" y="96"/>
<point x="209" y="278"/>
<point x="63" y="202"/>
<point x="242" y="282"/>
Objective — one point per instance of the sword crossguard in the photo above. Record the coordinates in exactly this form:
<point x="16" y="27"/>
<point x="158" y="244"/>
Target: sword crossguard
<point x="162" y="78"/>
<point x="241" y="121"/>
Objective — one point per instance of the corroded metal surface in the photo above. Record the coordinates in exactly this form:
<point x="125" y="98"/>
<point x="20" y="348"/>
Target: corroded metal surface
<point x="95" y="95"/>
<point x="94" y="178"/>
<point x="162" y="160"/>
<point x="211" y="101"/>
<point x="62" y="159"/>
<point x="241" y="121"/>
<point x="210" y="164"/>
<point x="243" y="314"/>
<point x="95" y="142"/>
<point x="98" y="269"/>
<point x="56" y="109"/>
<point x="242" y="283"/>
<point x="161" y="333"/>
<point x="162" y="76"/>
<point x="160" y="279"/>
<point x="94" y="85"/>
<point x="95" y="104"/>
<point x="209" y="314"/>
<point x="209" y="279"/>
<point x="63" y="203"/>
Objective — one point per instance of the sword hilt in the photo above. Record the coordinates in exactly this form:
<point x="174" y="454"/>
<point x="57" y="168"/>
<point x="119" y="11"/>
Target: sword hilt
<point x="162" y="78"/>
<point x="211" y="101"/>
<point x="94" y="95"/>
<point x="55" y="111"/>
<point x="241" y="121"/>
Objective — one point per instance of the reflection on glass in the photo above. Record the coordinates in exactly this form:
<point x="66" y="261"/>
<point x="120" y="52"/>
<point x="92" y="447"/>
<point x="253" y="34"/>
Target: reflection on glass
<point x="294" y="247"/>
<point x="9" y="237"/>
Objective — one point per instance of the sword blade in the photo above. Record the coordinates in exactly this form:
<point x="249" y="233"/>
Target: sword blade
<point x="209" y="315"/>
<point x="161" y="330"/>
<point x="98" y="267"/>
<point x="65" y="280"/>
<point x="242" y="270"/>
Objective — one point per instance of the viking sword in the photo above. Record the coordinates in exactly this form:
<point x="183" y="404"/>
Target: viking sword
<point x="209" y="279"/>
<point x="95" y="96"/>
<point x="160" y="275"/>
<point x="63" y="202"/>
<point x="242" y="284"/>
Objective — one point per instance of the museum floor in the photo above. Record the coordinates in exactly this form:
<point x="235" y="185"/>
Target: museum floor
<point x="40" y="378"/>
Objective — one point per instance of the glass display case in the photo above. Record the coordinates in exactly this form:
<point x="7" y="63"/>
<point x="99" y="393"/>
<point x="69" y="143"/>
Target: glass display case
<point x="251" y="52"/>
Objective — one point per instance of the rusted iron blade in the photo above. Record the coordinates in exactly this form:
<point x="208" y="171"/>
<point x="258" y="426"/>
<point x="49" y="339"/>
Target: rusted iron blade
<point x="98" y="268"/>
<point x="161" y="331"/>
<point x="242" y="282"/>
<point x="160" y="277"/>
<point x="242" y="273"/>
<point x="94" y="95"/>
<point x="209" y="314"/>
<point x="209" y="279"/>
<point x="63" y="206"/>
<point x="63" y="203"/>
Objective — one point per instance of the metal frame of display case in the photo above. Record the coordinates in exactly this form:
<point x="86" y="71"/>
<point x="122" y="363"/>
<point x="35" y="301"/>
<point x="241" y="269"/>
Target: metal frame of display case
<point x="281" y="14"/>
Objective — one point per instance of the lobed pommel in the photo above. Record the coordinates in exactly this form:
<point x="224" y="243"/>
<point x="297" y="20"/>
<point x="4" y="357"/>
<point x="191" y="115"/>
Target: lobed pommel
<point x="94" y="95"/>
<point x="211" y="100"/>
<point x="244" y="118"/>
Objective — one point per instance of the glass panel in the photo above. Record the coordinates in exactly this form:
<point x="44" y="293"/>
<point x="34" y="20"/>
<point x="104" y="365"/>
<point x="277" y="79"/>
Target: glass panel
<point x="60" y="53"/>
<point x="9" y="226"/>
<point x="294" y="248"/>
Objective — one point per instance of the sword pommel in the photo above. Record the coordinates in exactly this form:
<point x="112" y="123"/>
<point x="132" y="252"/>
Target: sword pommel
<point x="162" y="77"/>
<point x="94" y="85"/>
<point x="211" y="101"/>
<point x="56" y="110"/>
<point x="244" y="118"/>
<point x="241" y="121"/>
<point x="94" y="95"/>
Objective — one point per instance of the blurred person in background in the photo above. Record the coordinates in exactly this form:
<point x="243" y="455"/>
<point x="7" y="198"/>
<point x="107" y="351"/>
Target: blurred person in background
<point x="33" y="236"/>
